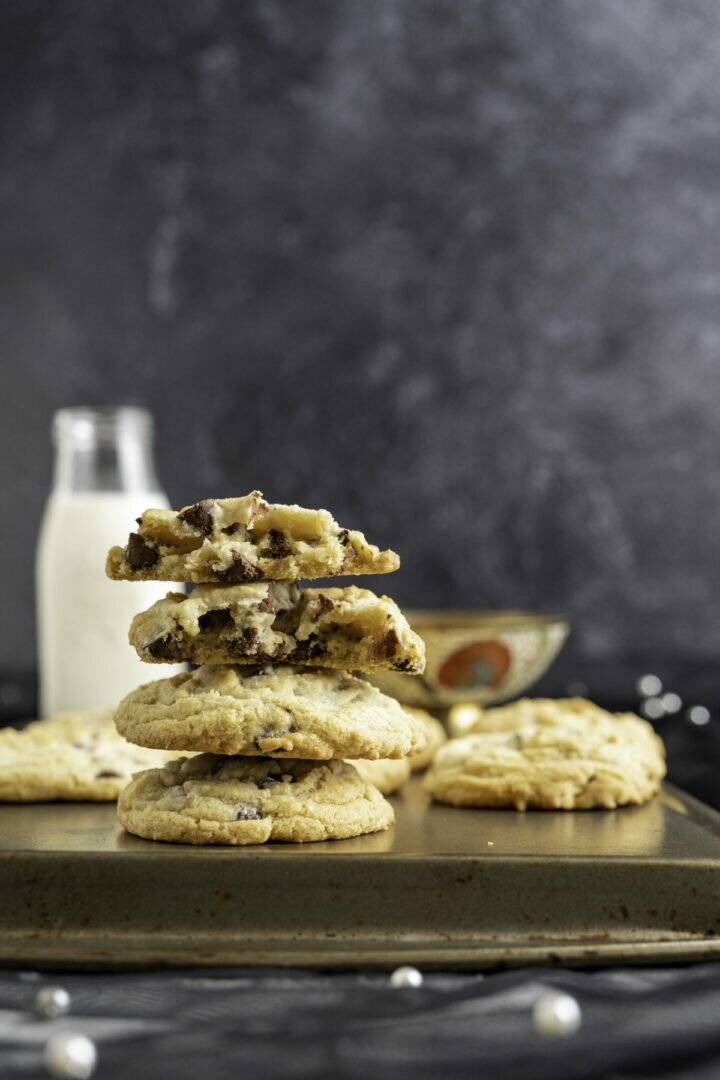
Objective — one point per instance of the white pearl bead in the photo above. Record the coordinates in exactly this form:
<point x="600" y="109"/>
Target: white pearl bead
<point x="653" y="708"/>
<point x="52" y="1001"/>
<point x="406" y="976"/>
<point x="649" y="686"/>
<point x="556" y="1015"/>
<point x="69" y="1056"/>
<point x="673" y="703"/>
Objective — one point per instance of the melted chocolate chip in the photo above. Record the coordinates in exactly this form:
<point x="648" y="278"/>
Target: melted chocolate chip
<point x="165" y="648"/>
<point x="108" y="774"/>
<point x="241" y="569"/>
<point x="230" y="530"/>
<point x="323" y="606"/>
<point x="277" y="545"/>
<point x="386" y="647"/>
<point x="139" y="553"/>
<point x="306" y="650"/>
<point x="199" y="516"/>
<point x="404" y="665"/>
<point x="245" y="641"/>
<point x="247" y="813"/>
<point x="268" y="604"/>
<point x="215" y="620"/>
<point x="344" y="536"/>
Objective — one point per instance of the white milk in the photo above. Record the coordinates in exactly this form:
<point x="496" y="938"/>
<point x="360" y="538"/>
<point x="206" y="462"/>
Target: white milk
<point x="83" y="617"/>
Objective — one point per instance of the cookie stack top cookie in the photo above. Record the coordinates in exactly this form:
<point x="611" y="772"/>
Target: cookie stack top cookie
<point x="275" y="659"/>
<point x="235" y="541"/>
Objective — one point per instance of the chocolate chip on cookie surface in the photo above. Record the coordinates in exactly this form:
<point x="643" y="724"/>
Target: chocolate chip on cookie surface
<point x="241" y="800"/>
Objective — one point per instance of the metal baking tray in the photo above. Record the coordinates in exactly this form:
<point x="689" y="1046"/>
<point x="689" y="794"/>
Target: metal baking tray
<point x="445" y="888"/>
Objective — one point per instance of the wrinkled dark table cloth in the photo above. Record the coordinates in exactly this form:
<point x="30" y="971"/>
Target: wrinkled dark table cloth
<point x="172" y="1025"/>
<point x="636" y="1022"/>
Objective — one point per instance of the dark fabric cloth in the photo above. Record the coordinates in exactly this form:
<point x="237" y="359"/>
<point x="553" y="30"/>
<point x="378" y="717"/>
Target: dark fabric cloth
<point x="636" y="1023"/>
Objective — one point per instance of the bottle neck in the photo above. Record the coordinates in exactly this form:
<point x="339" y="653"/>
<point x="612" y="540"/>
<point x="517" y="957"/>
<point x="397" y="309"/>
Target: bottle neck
<point x="103" y="450"/>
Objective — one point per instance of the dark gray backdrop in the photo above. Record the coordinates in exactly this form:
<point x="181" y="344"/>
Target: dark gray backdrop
<point x="447" y="267"/>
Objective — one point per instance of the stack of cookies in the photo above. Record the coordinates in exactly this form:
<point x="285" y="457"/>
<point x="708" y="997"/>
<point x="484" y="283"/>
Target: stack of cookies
<point x="272" y="708"/>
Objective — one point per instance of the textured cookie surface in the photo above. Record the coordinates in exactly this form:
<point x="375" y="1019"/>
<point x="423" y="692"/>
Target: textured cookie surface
<point x="233" y="541"/>
<point x="240" y="800"/>
<point x="72" y="756"/>
<point x="270" y="622"/>
<point x="546" y="711"/>
<point x="282" y="711"/>
<point x="564" y="755"/>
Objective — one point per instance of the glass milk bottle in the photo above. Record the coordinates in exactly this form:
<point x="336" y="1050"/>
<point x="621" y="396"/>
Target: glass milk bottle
<point x="104" y="479"/>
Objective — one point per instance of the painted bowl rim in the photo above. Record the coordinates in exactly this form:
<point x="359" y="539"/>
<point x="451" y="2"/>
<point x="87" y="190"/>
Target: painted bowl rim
<point x="454" y="618"/>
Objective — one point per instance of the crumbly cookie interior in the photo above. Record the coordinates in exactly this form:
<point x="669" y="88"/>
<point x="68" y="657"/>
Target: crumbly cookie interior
<point x="242" y="540"/>
<point x="278" y="622"/>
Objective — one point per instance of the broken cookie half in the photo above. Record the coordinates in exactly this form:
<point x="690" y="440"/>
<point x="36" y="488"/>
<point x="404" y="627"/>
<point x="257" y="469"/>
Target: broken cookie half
<point x="233" y="541"/>
<point x="277" y="622"/>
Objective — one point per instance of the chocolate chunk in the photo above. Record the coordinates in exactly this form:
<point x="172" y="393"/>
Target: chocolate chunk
<point x="386" y="647"/>
<point x="247" y="813"/>
<point x="241" y="569"/>
<point x="404" y="665"/>
<point x="165" y="648"/>
<point x="230" y="530"/>
<point x="306" y="650"/>
<point x="199" y="516"/>
<point x="277" y="546"/>
<point x="268" y="604"/>
<point x="270" y="734"/>
<point x="323" y="605"/>
<point x="216" y="620"/>
<point x="139" y="553"/>
<point x="344" y="536"/>
<point x="108" y="774"/>
<point x="245" y="641"/>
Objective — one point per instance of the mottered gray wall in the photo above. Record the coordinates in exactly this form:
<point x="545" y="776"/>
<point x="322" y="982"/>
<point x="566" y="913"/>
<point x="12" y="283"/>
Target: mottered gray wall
<point x="447" y="267"/>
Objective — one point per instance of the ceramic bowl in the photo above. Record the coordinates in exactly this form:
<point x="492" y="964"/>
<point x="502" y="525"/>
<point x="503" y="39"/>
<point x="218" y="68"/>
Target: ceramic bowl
<point x="478" y="657"/>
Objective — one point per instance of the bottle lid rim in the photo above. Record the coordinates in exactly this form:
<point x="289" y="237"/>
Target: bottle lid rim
<point x="92" y="424"/>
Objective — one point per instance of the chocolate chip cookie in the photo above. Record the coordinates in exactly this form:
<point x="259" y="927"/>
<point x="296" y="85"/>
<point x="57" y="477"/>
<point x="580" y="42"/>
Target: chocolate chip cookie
<point x="234" y="541"/>
<point x="73" y="756"/>
<point x="563" y="756"/>
<point x="277" y="622"/>
<point x="280" y="711"/>
<point x="435" y="733"/>
<point x="386" y="774"/>
<point x="240" y="800"/>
